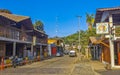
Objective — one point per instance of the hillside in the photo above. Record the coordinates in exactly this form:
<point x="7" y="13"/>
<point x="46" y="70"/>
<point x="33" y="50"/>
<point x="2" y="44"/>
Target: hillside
<point x="84" y="38"/>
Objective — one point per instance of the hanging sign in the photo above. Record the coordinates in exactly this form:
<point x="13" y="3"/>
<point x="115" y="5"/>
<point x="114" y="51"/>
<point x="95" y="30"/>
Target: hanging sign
<point x="102" y="28"/>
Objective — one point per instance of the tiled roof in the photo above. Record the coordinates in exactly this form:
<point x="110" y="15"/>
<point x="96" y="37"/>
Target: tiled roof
<point x="16" y="18"/>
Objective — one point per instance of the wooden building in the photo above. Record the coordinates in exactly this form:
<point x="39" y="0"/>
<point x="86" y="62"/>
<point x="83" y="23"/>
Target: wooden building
<point x="18" y="36"/>
<point x="40" y="44"/>
<point x="112" y="17"/>
<point x="13" y="34"/>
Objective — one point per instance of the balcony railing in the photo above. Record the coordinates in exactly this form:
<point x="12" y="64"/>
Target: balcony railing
<point x="13" y="33"/>
<point x="41" y="40"/>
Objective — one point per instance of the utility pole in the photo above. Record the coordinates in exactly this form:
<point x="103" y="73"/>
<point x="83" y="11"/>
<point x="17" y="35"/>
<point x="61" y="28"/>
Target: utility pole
<point x="56" y="26"/>
<point x="79" y="35"/>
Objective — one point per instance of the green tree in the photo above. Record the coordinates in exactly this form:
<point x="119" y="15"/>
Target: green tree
<point x="90" y="20"/>
<point x="84" y="38"/>
<point x="6" y="11"/>
<point x="39" y="26"/>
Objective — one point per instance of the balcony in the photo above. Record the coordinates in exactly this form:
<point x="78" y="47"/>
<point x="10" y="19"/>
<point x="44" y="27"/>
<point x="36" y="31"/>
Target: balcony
<point x="41" y="40"/>
<point x="14" y="34"/>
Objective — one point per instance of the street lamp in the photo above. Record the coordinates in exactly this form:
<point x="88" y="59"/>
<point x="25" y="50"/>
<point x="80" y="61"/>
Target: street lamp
<point x="79" y="32"/>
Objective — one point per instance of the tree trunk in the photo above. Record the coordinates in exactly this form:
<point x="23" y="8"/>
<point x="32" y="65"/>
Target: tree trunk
<point x="90" y="27"/>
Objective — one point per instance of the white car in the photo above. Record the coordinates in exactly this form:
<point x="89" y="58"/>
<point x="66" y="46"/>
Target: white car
<point x="72" y="53"/>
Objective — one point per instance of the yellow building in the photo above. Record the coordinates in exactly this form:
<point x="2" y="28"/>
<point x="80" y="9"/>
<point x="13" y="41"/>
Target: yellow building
<point x="52" y="41"/>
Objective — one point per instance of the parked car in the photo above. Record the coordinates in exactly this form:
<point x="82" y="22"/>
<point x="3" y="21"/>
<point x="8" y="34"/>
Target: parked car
<point x="72" y="53"/>
<point x="66" y="52"/>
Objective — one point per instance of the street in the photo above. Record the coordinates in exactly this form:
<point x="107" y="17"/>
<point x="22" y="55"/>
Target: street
<point x="55" y="66"/>
<point x="61" y="66"/>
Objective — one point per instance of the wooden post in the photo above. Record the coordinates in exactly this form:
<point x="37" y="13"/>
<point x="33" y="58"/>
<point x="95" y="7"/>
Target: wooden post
<point x="14" y="48"/>
<point x="41" y="56"/>
<point x="111" y="43"/>
<point x="94" y="52"/>
<point x="32" y="49"/>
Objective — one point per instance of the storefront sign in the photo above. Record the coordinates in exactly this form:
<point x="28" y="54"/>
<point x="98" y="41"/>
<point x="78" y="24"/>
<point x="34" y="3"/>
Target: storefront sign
<point x="102" y="28"/>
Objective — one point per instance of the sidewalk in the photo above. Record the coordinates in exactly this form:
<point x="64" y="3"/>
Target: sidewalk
<point x="97" y="65"/>
<point x="88" y="67"/>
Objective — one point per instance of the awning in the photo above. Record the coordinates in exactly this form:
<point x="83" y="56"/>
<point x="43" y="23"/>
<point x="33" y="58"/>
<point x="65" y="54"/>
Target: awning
<point x="98" y="40"/>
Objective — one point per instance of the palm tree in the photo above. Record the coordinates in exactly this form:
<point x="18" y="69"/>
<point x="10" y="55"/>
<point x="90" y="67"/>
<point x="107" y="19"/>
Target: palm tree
<point x="90" y="20"/>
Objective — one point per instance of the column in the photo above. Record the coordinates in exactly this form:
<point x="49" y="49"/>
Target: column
<point x="25" y="51"/>
<point x="111" y="43"/>
<point x="41" y="51"/>
<point x="97" y="52"/>
<point x="14" y="48"/>
<point x="32" y="49"/>
<point x="94" y="51"/>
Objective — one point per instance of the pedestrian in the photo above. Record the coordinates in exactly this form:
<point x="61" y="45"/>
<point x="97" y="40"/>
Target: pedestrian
<point x="14" y="61"/>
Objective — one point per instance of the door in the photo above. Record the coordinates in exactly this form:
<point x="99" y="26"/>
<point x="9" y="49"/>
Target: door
<point x="118" y="50"/>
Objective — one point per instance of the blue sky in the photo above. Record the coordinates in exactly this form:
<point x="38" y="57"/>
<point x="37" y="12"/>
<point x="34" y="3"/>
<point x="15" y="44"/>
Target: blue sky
<point x="66" y="10"/>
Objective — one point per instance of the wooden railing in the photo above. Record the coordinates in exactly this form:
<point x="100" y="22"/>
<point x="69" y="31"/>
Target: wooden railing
<point x="41" y="40"/>
<point x="14" y="33"/>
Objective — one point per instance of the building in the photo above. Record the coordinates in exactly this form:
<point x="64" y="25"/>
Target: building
<point x="110" y="42"/>
<point x="55" y="46"/>
<point x="14" y="35"/>
<point x="19" y="38"/>
<point x="40" y="44"/>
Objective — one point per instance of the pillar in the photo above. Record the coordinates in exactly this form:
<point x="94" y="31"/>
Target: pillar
<point x="111" y="42"/>
<point x="40" y="50"/>
<point x="94" y="51"/>
<point x="97" y="51"/>
<point x="32" y="50"/>
<point x="14" y="48"/>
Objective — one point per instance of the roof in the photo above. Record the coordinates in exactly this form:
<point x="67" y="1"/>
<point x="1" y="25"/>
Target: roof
<point x="39" y="31"/>
<point x="108" y="9"/>
<point x="40" y="34"/>
<point x="51" y="41"/>
<point x="96" y="39"/>
<point x="100" y="11"/>
<point x="16" y="18"/>
<point x="93" y="39"/>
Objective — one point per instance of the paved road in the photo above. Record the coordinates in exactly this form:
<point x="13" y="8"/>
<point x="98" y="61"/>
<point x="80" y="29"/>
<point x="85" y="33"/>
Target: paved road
<point x="55" y="66"/>
<point x="109" y="72"/>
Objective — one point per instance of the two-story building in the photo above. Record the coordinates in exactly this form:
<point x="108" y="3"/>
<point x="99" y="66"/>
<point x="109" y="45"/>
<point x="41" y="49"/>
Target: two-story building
<point x="18" y="36"/>
<point x="40" y="44"/>
<point x="111" y="41"/>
